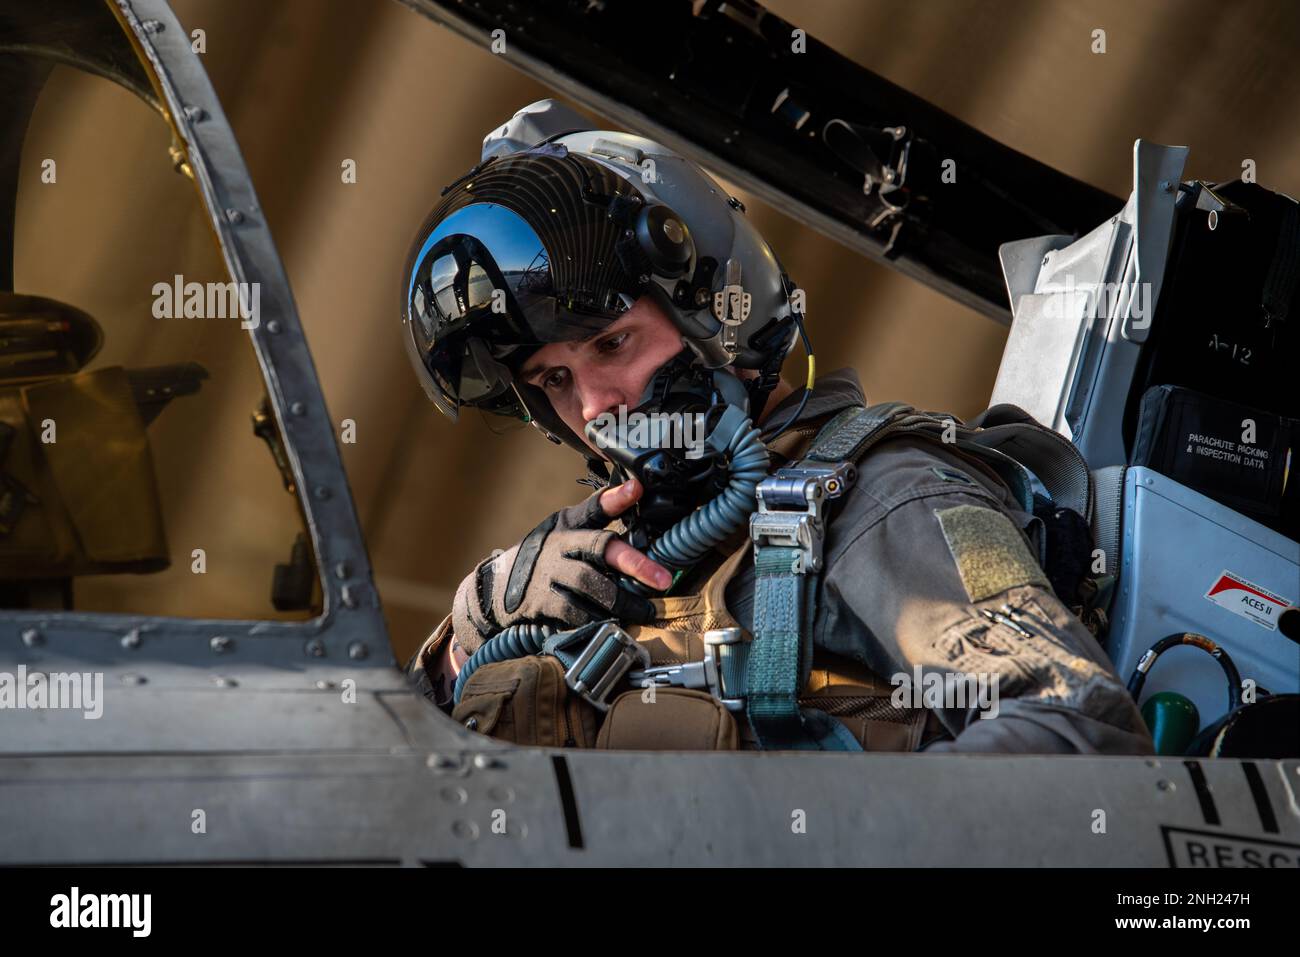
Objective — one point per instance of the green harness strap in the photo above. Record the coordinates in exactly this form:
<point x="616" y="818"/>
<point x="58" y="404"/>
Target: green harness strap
<point x="788" y="531"/>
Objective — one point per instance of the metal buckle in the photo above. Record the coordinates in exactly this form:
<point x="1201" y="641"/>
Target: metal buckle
<point x="705" y="675"/>
<point x="610" y="654"/>
<point x="791" y="510"/>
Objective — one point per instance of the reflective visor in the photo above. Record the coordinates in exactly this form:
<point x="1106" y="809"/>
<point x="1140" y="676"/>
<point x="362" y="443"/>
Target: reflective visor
<point x="485" y="288"/>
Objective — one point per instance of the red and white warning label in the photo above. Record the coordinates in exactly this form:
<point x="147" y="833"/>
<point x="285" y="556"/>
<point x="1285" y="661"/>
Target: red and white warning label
<point x="1245" y="598"/>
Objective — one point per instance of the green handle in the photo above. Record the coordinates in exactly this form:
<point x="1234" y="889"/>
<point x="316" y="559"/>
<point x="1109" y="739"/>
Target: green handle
<point x="1173" y="721"/>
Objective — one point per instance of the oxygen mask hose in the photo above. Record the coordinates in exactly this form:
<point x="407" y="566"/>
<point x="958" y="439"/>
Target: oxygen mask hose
<point x="513" y="642"/>
<point x="691" y="538"/>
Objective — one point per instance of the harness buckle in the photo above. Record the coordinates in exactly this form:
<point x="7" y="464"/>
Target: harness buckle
<point x="720" y="673"/>
<point x="791" y="510"/>
<point x="600" y="666"/>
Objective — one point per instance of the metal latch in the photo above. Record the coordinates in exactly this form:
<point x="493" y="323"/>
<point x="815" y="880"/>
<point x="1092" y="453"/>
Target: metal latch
<point x="791" y="510"/>
<point x="608" y="657"/>
<point x="720" y="673"/>
<point x="880" y="154"/>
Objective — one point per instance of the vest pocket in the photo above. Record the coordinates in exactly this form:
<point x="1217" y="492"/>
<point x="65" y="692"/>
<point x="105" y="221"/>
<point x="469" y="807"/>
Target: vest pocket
<point x="675" y="719"/>
<point x="481" y="711"/>
<point x="525" y="701"/>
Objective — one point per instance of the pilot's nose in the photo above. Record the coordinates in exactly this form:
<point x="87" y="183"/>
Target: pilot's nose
<point x="599" y="397"/>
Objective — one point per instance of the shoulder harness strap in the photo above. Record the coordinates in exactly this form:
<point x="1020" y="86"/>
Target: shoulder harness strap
<point x="1005" y="436"/>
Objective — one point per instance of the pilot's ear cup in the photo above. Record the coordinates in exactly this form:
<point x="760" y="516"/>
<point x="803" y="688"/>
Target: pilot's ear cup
<point x="1268" y="728"/>
<point x="665" y="240"/>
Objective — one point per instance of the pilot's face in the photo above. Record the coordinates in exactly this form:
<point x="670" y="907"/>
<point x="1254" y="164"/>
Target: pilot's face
<point x="588" y="377"/>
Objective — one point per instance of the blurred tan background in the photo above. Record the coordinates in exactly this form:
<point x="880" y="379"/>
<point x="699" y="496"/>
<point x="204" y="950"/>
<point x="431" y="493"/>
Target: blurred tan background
<point x="308" y="84"/>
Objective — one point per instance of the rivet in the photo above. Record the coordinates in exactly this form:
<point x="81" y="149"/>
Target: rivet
<point x="485" y="761"/>
<point x="441" y="762"/>
<point x="32" y="638"/>
<point x="315" y="648"/>
<point x="221" y="644"/>
<point x="1164" y="785"/>
<point x="1166" y="186"/>
<point x="298" y="408"/>
<point x="472" y="724"/>
<point x="465" y="829"/>
<point x="454" y="795"/>
<point x="342" y="569"/>
<point x="131" y="639"/>
<point x="349" y="596"/>
<point x="273" y="327"/>
<point x="322" y="492"/>
<point x="152" y="26"/>
<point x="221" y="681"/>
<point x="196" y="114"/>
<point x="505" y="795"/>
<point x="324" y="685"/>
<point x="234" y="216"/>
<point x="358" y="650"/>
<point x="133" y="679"/>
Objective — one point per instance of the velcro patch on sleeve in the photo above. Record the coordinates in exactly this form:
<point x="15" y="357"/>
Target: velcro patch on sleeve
<point x="990" y="554"/>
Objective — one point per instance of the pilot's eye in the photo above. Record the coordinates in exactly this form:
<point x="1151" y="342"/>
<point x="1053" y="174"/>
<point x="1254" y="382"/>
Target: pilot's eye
<point x="612" y="344"/>
<point x="554" y="379"/>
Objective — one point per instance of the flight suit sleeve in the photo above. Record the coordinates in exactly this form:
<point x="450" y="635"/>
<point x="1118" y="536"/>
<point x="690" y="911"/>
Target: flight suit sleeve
<point x="935" y="587"/>
<point x="423" y="669"/>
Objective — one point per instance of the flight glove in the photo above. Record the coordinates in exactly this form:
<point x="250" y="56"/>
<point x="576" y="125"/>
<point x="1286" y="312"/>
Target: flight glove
<point x="556" y="576"/>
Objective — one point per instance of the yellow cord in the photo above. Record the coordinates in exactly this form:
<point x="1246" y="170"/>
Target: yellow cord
<point x="812" y="370"/>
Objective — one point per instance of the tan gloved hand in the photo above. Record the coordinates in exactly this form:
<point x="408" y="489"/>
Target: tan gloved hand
<point x="564" y="573"/>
